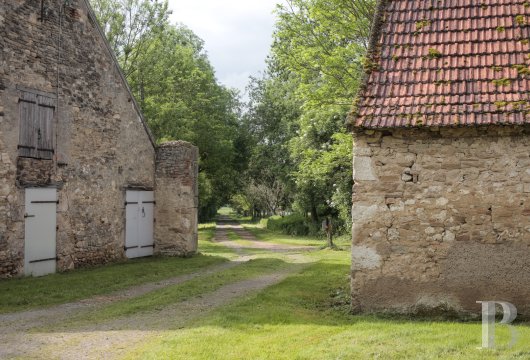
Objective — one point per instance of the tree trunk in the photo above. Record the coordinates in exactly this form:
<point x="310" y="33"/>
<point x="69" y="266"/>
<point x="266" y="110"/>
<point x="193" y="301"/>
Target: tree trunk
<point x="314" y="215"/>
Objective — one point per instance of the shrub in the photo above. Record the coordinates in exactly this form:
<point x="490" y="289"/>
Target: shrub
<point x="294" y="224"/>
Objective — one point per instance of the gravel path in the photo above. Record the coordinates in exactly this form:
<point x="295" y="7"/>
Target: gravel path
<point x="225" y="225"/>
<point x="20" y="337"/>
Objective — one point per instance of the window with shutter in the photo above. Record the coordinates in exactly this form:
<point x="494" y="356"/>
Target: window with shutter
<point x="36" y="125"/>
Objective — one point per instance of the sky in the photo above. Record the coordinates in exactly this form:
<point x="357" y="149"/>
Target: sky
<point x="237" y="34"/>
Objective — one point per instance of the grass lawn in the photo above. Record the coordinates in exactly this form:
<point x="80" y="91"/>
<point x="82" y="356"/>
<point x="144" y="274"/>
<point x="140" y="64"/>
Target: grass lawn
<point x="257" y="228"/>
<point x="306" y="317"/>
<point x="26" y="293"/>
<point x="202" y="285"/>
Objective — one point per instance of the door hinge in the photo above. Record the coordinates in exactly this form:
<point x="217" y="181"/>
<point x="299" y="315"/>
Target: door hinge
<point x="28" y="216"/>
<point x="130" y="247"/>
<point x="43" y="260"/>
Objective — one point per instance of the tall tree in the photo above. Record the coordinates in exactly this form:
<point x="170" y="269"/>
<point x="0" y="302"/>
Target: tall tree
<point x="319" y="46"/>
<point x="129" y="26"/>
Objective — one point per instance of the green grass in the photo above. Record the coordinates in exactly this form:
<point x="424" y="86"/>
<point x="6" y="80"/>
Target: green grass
<point x="269" y="236"/>
<point x="201" y="285"/>
<point x="27" y="293"/>
<point x="225" y="211"/>
<point x="306" y="317"/>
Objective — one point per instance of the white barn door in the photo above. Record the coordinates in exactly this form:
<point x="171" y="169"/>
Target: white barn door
<point x="40" y="253"/>
<point x="139" y="221"/>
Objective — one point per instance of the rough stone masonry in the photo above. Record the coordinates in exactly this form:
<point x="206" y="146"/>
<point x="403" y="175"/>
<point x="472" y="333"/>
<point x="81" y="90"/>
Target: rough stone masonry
<point x="441" y="218"/>
<point x="101" y="144"/>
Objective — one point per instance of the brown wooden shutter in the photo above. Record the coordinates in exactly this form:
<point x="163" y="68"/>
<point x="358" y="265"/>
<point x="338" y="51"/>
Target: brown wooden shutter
<point x="36" y="125"/>
<point x="45" y="133"/>
<point x="27" y="143"/>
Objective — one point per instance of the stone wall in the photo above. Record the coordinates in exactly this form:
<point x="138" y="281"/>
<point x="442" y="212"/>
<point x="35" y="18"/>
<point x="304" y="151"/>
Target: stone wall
<point x="441" y="219"/>
<point x="102" y="145"/>
<point x="176" y="194"/>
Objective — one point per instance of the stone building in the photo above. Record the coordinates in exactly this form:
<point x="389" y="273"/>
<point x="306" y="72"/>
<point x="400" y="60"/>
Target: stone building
<point x="81" y="180"/>
<point x="441" y="127"/>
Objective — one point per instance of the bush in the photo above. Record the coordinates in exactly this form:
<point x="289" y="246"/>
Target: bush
<point x="294" y="224"/>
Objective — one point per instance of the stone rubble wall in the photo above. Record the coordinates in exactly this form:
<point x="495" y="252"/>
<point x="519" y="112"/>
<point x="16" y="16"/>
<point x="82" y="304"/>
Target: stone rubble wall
<point x="102" y="146"/>
<point x="441" y="219"/>
<point x="176" y="195"/>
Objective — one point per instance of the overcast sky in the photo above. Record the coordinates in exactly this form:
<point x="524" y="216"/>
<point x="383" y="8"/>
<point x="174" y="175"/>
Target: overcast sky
<point x="237" y="34"/>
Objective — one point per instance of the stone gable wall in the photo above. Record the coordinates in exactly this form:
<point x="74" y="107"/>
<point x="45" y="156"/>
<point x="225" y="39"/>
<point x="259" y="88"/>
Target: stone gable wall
<point x="102" y="146"/>
<point x="441" y="219"/>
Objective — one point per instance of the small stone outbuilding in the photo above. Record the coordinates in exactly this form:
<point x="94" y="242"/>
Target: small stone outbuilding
<point x="81" y="179"/>
<point x="441" y="127"/>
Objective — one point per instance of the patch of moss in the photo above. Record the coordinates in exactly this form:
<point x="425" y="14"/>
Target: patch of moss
<point x="522" y="69"/>
<point x="524" y="41"/>
<point x="501" y="104"/>
<point x="422" y="24"/>
<point x="502" y="82"/>
<point x="515" y="105"/>
<point x="370" y="65"/>
<point x="395" y="57"/>
<point x="526" y="4"/>
<point x="434" y="53"/>
<point x="496" y="68"/>
<point x="500" y="29"/>
<point x="442" y="82"/>
<point x="520" y="20"/>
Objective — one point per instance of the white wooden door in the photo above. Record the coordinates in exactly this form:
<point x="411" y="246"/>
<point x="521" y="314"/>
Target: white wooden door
<point x="139" y="213"/>
<point x="40" y="253"/>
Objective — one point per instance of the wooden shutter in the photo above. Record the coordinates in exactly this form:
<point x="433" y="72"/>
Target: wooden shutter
<point x="45" y="133"/>
<point x="27" y="143"/>
<point x="36" y="125"/>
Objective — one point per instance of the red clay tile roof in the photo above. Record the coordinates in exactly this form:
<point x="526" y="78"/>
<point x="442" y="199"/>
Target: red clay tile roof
<point x="447" y="63"/>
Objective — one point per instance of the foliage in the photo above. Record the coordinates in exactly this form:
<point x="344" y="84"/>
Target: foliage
<point x="294" y="224"/>
<point x="297" y="109"/>
<point x="129" y="26"/>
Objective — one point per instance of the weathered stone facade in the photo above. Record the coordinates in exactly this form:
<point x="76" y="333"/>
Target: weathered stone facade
<point x="102" y="146"/>
<point x="441" y="218"/>
<point x="177" y="199"/>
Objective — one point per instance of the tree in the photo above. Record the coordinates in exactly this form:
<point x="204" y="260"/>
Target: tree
<point x="324" y="42"/>
<point x="317" y="58"/>
<point x="130" y="25"/>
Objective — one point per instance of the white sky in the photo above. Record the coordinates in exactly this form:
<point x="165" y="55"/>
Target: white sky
<point x="237" y="34"/>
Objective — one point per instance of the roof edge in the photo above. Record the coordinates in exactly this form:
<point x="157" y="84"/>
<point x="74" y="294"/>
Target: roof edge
<point x="377" y="25"/>
<point x="92" y="14"/>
